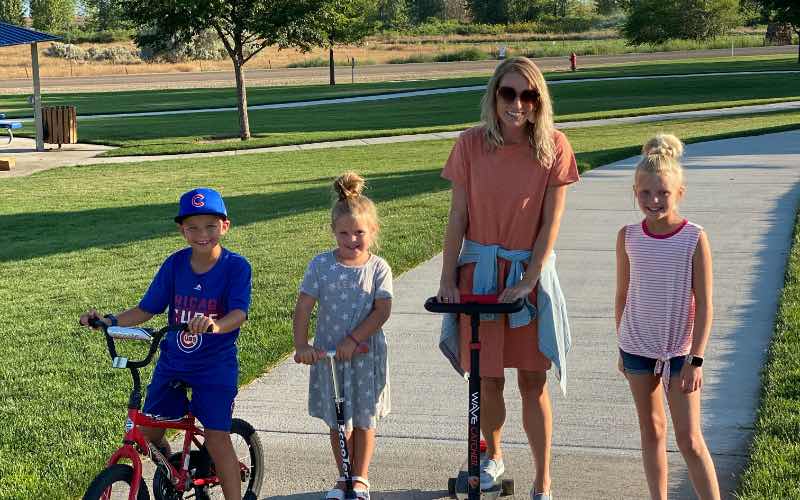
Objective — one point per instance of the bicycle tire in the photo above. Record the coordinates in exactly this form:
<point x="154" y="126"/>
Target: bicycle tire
<point x="111" y="475"/>
<point x="256" y="452"/>
<point x="201" y="461"/>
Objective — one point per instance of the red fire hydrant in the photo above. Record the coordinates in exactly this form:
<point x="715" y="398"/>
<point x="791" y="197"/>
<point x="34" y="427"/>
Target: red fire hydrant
<point x="573" y="61"/>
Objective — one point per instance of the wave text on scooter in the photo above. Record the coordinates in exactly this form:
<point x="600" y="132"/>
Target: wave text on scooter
<point x="474" y="407"/>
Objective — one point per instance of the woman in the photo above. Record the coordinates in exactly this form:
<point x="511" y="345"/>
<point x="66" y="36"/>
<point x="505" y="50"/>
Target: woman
<point x="509" y="181"/>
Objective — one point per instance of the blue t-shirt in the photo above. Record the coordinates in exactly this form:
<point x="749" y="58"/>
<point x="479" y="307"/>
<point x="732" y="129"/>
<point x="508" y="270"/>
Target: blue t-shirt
<point x="215" y="293"/>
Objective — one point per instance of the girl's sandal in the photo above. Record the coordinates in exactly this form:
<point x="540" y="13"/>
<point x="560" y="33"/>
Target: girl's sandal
<point x="361" y="494"/>
<point x="336" y="493"/>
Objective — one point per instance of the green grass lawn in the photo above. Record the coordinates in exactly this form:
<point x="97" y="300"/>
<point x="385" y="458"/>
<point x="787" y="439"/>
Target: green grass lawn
<point x="576" y="101"/>
<point x="774" y="468"/>
<point x="16" y="106"/>
<point x="94" y="236"/>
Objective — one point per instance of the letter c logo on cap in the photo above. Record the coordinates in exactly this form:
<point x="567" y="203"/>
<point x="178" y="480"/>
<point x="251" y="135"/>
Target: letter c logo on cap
<point x="197" y="200"/>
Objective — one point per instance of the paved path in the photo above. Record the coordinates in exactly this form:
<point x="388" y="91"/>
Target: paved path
<point x="399" y="95"/>
<point x="378" y="72"/>
<point x="743" y="191"/>
<point x="29" y="161"/>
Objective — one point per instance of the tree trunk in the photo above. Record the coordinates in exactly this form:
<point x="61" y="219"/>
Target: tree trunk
<point x="241" y="94"/>
<point x="330" y="65"/>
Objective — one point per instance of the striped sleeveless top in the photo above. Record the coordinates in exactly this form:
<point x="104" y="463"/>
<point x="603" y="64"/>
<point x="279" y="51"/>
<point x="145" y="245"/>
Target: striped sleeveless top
<point x="658" y="318"/>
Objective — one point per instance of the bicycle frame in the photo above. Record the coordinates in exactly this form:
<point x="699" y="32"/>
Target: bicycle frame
<point x="136" y="444"/>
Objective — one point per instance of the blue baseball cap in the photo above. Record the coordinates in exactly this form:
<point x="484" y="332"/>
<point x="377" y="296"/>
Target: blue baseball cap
<point x="201" y="201"/>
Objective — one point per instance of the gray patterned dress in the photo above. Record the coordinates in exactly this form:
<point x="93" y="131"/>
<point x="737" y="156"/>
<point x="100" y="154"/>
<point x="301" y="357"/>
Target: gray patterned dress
<point x="345" y="297"/>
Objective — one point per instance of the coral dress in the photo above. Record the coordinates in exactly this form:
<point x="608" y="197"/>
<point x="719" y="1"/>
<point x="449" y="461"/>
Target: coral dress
<point x="505" y="190"/>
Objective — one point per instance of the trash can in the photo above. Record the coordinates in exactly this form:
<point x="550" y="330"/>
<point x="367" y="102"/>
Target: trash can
<point x="60" y="125"/>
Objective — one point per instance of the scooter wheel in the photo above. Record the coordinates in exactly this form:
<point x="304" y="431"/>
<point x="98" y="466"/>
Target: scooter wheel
<point x="451" y="486"/>
<point x="507" y="487"/>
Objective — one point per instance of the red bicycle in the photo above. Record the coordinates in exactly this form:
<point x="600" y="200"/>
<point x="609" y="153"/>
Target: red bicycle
<point x="191" y="471"/>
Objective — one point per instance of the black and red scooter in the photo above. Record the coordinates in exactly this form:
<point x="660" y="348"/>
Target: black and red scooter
<point x="467" y="485"/>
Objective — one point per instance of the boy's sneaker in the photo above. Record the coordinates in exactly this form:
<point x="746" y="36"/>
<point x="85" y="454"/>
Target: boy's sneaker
<point x="490" y="470"/>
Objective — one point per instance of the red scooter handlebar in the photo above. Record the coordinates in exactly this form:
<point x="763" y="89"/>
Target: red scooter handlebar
<point x="474" y="304"/>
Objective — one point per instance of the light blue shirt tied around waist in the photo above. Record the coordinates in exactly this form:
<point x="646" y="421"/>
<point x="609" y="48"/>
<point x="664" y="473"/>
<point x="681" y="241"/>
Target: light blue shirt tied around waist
<point x="550" y="311"/>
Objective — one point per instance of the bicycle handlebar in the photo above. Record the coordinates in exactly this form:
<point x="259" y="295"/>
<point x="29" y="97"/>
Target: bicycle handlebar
<point x="135" y="333"/>
<point x="474" y="304"/>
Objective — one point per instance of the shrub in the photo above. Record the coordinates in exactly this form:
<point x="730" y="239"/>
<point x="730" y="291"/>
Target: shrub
<point x="116" y="55"/>
<point x="468" y="54"/>
<point x="206" y="47"/>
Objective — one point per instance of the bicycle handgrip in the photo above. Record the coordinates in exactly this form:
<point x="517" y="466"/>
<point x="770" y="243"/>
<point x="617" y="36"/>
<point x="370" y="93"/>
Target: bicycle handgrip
<point x="96" y="323"/>
<point x="474" y="304"/>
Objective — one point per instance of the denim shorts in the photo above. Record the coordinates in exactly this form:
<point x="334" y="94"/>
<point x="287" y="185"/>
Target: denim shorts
<point x="640" y="365"/>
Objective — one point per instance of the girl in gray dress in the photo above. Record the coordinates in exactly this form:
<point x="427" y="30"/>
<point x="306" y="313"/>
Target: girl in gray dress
<point x="354" y="289"/>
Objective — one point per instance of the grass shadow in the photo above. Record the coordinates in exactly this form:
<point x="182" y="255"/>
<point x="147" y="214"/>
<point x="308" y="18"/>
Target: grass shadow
<point x="40" y="234"/>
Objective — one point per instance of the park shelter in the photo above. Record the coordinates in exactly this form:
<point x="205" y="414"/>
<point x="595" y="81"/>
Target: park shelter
<point x="17" y="35"/>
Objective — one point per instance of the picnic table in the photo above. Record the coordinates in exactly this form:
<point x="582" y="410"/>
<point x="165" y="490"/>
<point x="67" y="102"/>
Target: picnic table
<point x="9" y="126"/>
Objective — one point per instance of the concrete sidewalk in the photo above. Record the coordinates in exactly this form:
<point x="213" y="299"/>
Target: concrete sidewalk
<point x="743" y="191"/>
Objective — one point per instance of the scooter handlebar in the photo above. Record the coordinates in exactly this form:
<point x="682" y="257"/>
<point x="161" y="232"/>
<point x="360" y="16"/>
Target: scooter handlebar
<point x="362" y="348"/>
<point x="474" y="304"/>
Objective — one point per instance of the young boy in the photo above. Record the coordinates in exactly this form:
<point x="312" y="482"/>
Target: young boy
<point x="208" y="287"/>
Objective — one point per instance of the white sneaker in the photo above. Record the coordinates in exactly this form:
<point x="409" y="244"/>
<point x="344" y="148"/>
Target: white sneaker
<point x="490" y="471"/>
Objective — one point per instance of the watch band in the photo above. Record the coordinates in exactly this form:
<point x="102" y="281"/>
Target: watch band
<point x="111" y="318"/>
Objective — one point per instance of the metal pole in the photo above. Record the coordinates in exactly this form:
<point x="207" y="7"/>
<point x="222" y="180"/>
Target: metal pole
<point x="353" y="71"/>
<point x="474" y="413"/>
<point x="37" y="98"/>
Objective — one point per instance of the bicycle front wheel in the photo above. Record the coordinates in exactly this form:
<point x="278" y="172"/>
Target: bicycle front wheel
<point x="114" y="483"/>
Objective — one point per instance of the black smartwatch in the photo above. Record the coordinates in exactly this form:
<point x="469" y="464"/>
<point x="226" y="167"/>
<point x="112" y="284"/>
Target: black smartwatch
<point x="694" y="360"/>
<point x="113" y="319"/>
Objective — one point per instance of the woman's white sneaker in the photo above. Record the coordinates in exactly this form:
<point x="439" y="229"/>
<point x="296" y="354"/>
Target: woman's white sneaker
<point x="491" y="469"/>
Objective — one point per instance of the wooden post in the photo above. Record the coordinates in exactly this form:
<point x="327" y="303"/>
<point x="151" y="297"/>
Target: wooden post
<point x="37" y="97"/>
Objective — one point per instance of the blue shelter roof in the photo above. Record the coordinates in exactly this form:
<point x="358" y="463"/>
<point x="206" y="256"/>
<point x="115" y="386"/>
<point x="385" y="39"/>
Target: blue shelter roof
<point x="11" y="34"/>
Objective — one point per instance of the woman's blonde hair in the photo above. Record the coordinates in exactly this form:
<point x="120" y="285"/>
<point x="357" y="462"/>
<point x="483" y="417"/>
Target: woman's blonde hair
<point x="660" y="156"/>
<point x="541" y="130"/>
<point x="350" y="201"/>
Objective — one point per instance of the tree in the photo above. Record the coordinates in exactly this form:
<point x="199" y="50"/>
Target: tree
<point x="786" y="12"/>
<point x="392" y="13"/>
<point x="104" y="15"/>
<point x="606" y="7"/>
<point x="52" y="15"/>
<point x="495" y="12"/>
<point x="11" y="11"/>
<point x="656" y="21"/>
<point x="345" y="22"/>
<point x="245" y="27"/>
<point x="422" y="10"/>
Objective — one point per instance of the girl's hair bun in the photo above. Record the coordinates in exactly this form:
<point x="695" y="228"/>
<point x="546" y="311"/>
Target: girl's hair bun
<point x="349" y="185"/>
<point x="665" y="145"/>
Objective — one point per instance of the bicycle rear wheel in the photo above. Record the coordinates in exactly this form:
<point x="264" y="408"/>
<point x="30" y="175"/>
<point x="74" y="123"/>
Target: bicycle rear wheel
<point x="114" y="483"/>
<point x="249" y="452"/>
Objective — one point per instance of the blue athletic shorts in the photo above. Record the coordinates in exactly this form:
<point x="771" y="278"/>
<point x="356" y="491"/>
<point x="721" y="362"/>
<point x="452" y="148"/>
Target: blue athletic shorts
<point x="641" y="365"/>
<point x="212" y="404"/>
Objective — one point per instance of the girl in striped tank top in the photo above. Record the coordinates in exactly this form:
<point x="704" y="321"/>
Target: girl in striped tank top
<point x="663" y="313"/>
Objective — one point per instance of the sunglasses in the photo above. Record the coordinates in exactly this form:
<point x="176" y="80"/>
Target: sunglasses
<point x="528" y="96"/>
